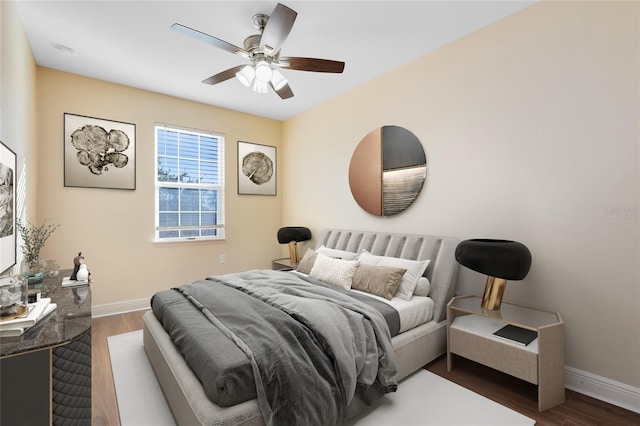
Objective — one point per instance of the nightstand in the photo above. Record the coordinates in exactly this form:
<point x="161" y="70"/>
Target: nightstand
<point x="283" y="264"/>
<point x="470" y="334"/>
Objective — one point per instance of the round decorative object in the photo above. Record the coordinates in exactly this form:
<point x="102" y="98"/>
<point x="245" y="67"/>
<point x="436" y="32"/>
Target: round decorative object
<point x="258" y="167"/>
<point x="14" y="297"/>
<point x="387" y="170"/>
<point x="83" y="273"/>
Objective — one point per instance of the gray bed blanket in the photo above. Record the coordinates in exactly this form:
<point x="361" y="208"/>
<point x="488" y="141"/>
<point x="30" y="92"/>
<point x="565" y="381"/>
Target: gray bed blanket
<point x="314" y="352"/>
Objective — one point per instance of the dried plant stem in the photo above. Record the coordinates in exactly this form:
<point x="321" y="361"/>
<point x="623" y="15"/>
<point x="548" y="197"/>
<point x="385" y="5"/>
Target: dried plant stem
<point x="34" y="238"/>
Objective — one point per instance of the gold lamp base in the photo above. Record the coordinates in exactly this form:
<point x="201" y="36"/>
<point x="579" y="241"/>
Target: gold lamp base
<point x="293" y="253"/>
<point x="493" y="292"/>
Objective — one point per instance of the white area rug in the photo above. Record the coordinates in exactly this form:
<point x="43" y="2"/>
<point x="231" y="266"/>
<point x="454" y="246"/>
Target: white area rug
<point x="425" y="398"/>
<point x="422" y="399"/>
<point x="140" y="399"/>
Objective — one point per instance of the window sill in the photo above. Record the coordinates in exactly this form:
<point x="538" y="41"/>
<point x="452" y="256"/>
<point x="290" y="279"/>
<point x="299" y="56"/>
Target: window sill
<point x="183" y="241"/>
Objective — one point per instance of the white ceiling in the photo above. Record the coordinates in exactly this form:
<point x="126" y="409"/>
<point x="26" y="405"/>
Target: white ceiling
<point x="130" y="43"/>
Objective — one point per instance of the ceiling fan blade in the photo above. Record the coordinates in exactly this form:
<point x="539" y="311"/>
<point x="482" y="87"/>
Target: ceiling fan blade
<point x="223" y="76"/>
<point x="285" y="91"/>
<point x="311" y="64"/>
<point x="221" y="44"/>
<point x="277" y="29"/>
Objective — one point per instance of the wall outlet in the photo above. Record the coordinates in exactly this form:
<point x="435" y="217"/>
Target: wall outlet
<point x="223" y="258"/>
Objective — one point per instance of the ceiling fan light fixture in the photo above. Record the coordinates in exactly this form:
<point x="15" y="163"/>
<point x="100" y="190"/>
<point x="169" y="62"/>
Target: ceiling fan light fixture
<point x="260" y="86"/>
<point x="246" y="75"/>
<point x="278" y="81"/>
<point x="263" y="51"/>
<point x="263" y="71"/>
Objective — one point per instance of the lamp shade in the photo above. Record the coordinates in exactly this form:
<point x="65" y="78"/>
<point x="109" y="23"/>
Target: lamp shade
<point x="509" y="260"/>
<point x="246" y="75"/>
<point x="278" y="81"/>
<point x="263" y="71"/>
<point x="293" y="233"/>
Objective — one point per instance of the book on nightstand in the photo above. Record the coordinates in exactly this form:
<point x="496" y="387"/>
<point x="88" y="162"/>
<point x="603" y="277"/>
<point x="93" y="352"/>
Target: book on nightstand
<point x="515" y="334"/>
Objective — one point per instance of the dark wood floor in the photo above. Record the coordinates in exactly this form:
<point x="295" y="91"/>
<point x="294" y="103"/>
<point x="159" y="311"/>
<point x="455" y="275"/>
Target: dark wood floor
<point x="578" y="410"/>
<point x="104" y="408"/>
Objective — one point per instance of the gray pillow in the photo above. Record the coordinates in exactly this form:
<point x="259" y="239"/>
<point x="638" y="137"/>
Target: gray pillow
<point x="382" y="281"/>
<point x="306" y="264"/>
<point x="415" y="269"/>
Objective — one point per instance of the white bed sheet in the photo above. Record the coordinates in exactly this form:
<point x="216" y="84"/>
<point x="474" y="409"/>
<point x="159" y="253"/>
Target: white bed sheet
<point x="412" y="313"/>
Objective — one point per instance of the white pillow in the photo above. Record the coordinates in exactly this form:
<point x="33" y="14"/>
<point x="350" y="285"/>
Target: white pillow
<point x="338" y="254"/>
<point x="336" y="272"/>
<point x="415" y="269"/>
<point x="423" y="288"/>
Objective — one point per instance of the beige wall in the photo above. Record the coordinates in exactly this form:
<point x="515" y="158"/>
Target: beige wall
<point x="530" y="127"/>
<point x="18" y="106"/>
<point x="114" y="228"/>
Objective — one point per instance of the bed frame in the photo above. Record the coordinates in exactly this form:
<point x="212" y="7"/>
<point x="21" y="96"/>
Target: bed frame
<point x="413" y="349"/>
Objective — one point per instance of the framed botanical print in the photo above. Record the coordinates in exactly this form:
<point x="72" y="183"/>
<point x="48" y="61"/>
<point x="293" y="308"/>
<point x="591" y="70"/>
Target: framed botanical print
<point x="99" y="153"/>
<point x="256" y="169"/>
<point x="7" y="207"/>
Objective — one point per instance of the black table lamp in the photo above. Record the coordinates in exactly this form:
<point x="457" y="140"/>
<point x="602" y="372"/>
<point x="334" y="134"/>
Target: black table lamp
<point x="292" y="235"/>
<point x="500" y="260"/>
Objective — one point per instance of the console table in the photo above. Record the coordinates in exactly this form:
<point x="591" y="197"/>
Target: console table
<point x="46" y="372"/>
<point x="470" y="331"/>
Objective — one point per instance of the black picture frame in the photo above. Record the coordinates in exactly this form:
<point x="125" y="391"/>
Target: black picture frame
<point x="8" y="234"/>
<point x="99" y="153"/>
<point x="257" y="169"/>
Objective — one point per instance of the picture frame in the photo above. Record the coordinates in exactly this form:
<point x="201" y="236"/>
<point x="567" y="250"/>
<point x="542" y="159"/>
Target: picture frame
<point x="8" y="230"/>
<point x="99" y="153"/>
<point x="257" y="169"/>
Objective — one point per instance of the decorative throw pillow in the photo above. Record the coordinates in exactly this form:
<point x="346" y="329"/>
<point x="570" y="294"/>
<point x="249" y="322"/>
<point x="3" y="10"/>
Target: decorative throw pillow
<point x="415" y="269"/>
<point x="336" y="272"/>
<point x="423" y="288"/>
<point x="338" y="254"/>
<point x="307" y="261"/>
<point x="382" y="281"/>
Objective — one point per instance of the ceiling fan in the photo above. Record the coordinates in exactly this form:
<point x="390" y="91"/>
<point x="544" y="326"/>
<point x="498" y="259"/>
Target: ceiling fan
<point x="263" y="51"/>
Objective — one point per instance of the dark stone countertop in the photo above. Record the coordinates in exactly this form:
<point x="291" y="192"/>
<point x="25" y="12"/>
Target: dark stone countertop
<point x="71" y="318"/>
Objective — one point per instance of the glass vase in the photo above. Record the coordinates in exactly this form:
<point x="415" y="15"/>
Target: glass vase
<point x="33" y="271"/>
<point x="13" y="297"/>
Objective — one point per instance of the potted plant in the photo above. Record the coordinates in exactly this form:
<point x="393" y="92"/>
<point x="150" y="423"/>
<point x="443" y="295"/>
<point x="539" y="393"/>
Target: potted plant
<point x="33" y="238"/>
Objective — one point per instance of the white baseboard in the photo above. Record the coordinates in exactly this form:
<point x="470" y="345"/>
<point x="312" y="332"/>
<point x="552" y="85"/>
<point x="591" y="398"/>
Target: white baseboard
<point x="120" y="307"/>
<point x="595" y="386"/>
<point x="602" y="388"/>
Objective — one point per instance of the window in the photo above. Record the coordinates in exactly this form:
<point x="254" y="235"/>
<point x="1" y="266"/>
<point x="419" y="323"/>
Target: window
<point x="189" y="185"/>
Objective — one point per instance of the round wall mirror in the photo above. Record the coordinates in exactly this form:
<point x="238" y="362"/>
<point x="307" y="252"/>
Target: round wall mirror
<point x="387" y="170"/>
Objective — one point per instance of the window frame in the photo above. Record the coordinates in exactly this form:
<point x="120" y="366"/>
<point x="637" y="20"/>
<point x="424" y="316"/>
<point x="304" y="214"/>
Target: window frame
<point x="219" y="188"/>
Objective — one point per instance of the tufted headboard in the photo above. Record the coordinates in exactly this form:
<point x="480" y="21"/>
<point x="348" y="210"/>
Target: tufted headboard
<point x="440" y="250"/>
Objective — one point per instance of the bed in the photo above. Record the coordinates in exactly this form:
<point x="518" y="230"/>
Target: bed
<point x="412" y="347"/>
